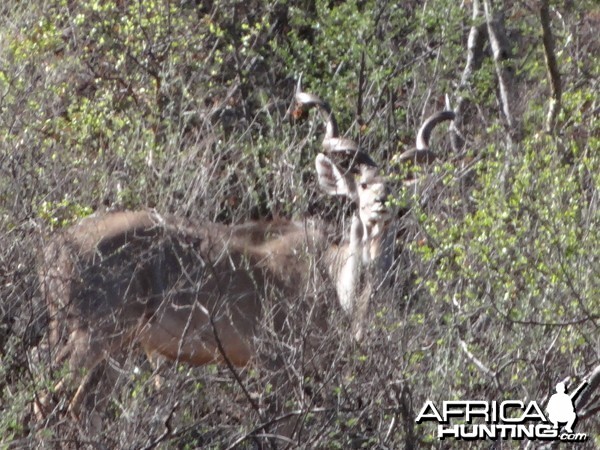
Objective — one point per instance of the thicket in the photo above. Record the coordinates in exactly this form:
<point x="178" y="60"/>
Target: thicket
<point x="185" y="107"/>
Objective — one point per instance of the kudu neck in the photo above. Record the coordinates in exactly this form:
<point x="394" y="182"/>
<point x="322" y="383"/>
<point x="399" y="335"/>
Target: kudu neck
<point x="369" y="240"/>
<point x="331" y="126"/>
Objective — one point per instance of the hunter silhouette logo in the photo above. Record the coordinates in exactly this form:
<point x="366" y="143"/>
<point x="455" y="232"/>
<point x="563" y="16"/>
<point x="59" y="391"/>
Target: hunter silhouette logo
<point x="560" y="406"/>
<point x="509" y="419"/>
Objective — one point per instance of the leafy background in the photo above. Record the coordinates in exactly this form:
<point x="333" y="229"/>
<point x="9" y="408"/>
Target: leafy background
<point x="184" y="106"/>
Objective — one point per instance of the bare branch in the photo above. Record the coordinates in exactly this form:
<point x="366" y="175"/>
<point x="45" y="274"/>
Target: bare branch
<point x="480" y="365"/>
<point x="585" y="403"/>
<point x="551" y="66"/>
<point x="504" y="71"/>
<point x="475" y="45"/>
<point x="168" y="429"/>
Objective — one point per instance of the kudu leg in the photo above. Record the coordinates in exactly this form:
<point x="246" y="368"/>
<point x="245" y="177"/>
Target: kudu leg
<point x="85" y="352"/>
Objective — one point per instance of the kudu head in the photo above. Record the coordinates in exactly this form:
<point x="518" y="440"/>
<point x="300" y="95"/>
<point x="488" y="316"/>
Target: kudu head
<point x="343" y="169"/>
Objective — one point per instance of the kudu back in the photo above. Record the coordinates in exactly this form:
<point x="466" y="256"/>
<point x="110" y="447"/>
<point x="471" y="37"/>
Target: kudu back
<point x="201" y="292"/>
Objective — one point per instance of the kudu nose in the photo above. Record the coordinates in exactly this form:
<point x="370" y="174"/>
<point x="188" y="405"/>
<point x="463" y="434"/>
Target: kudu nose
<point x="383" y="196"/>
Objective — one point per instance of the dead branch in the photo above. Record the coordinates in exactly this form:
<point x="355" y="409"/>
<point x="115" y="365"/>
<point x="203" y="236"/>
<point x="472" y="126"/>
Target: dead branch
<point x="551" y="66"/>
<point x="502" y="56"/>
<point x="585" y="404"/>
<point x="475" y="44"/>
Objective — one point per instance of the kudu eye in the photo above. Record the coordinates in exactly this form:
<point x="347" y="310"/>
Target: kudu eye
<point x="364" y="185"/>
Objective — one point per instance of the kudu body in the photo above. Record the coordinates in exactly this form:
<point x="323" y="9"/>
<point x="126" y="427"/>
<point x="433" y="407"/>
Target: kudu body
<point x="200" y="292"/>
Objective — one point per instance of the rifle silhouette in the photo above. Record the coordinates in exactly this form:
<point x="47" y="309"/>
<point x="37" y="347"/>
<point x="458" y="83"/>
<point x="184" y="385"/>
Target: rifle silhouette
<point x="577" y="391"/>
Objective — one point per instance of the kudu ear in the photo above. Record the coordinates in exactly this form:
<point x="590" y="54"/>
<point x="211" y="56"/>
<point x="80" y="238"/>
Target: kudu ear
<point x="332" y="180"/>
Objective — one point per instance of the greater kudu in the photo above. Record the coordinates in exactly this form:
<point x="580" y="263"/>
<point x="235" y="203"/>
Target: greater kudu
<point x="198" y="292"/>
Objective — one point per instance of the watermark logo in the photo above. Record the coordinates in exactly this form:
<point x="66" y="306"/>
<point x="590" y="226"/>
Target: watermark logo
<point x="561" y="409"/>
<point x="509" y="419"/>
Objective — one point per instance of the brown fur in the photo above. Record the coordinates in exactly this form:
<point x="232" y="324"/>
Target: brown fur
<point x="185" y="291"/>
